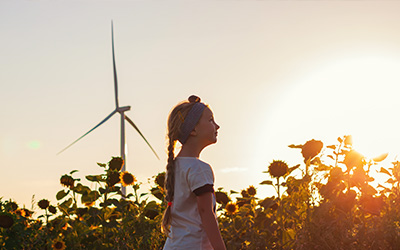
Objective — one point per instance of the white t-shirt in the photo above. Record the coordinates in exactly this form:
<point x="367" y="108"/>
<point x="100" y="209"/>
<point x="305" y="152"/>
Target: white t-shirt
<point x="186" y="227"/>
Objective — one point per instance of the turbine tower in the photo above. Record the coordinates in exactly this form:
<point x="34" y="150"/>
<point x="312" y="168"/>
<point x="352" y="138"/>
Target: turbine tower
<point x="120" y="110"/>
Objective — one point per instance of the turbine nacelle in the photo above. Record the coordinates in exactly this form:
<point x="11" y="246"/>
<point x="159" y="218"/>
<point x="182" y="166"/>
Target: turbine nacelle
<point x="123" y="109"/>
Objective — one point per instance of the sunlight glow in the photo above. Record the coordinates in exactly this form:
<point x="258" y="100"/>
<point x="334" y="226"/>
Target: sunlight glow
<point x="366" y="96"/>
<point x="350" y="96"/>
<point x="357" y="95"/>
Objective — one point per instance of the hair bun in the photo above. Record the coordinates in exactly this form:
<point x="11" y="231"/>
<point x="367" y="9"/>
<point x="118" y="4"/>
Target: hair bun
<point x="194" y="98"/>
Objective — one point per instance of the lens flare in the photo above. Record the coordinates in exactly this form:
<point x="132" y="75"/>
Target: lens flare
<point x="34" y="144"/>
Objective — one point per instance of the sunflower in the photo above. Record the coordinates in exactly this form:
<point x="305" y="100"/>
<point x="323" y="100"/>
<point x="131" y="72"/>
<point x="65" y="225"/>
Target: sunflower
<point x="251" y="191"/>
<point x="245" y="194"/>
<point x="20" y="212"/>
<point x="231" y="208"/>
<point x="116" y="164"/>
<point x="310" y="149"/>
<point x="278" y="168"/>
<point x="67" y="181"/>
<point x="127" y="178"/>
<point x="160" y="179"/>
<point x="13" y="206"/>
<point x="43" y="204"/>
<point x="52" y="209"/>
<point x="222" y="197"/>
<point x="112" y="178"/>
<point x="27" y="213"/>
<point x="58" y="245"/>
<point x="6" y="221"/>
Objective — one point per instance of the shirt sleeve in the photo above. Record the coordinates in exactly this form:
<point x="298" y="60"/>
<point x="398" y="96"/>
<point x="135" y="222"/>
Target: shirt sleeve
<point x="201" y="179"/>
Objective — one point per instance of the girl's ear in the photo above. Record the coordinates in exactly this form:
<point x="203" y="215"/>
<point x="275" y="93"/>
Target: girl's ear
<point x="193" y="133"/>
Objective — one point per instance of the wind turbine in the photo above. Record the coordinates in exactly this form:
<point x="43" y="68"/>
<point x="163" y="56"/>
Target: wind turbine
<point x="120" y="110"/>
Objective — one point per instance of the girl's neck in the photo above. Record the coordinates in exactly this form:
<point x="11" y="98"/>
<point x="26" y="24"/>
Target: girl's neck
<point x="189" y="150"/>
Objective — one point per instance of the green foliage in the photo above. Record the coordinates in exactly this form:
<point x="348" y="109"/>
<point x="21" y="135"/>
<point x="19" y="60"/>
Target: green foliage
<point x="325" y="202"/>
<point x="101" y="218"/>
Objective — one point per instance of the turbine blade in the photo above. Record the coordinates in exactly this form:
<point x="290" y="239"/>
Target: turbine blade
<point x="114" y="68"/>
<point x="103" y="121"/>
<point x="137" y="129"/>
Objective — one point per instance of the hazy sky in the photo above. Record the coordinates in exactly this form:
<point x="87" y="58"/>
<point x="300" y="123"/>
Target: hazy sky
<point x="274" y="72"/>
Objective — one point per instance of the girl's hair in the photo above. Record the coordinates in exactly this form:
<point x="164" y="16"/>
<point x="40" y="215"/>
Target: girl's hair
<point x="175" y="121"/>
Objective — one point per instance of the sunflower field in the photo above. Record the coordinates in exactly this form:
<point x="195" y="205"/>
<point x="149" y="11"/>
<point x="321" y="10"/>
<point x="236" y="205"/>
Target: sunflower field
<point x="331" y="203"/>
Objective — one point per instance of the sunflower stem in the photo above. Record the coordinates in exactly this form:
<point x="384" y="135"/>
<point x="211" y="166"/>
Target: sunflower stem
<point x="47" y="217"/>
<point x="136" y="196"/>
<point x="277" y="179"/>
<point x="337" y="154"/>
<point x="74" y="196"/>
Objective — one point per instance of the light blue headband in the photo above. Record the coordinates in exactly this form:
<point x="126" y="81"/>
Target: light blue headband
<point x="190" y="121"/>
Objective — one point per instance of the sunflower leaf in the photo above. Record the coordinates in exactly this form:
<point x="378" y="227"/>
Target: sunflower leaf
<point x="267" y="183"/>
<point x="291" y="169"/>
<point x="391" y="181"/>
<point x="90" y="197"/>
<point x="80" y="189"/>
<point x="115" y="202"/>
<point x="384" y="188"/>
<point x="368" y="189"/>
<point x="385" y="171"/>
<point x="66" y="204"/>
<point x="380" y="158"/>
<point x="94" y="178"/>
<point x="322" y="167"/>
<point x="73" y="171"/>
<point x="61" y="194"/>
<point x="114" y="189"/>
<point x="267" y="203"/>
<point x="103" y="165"/>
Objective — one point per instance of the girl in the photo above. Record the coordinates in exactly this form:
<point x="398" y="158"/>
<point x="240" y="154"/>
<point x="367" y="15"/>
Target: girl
<point x="189" y="220"/>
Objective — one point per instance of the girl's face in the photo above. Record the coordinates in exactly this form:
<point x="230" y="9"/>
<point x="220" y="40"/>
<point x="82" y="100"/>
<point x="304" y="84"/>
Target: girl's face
<point x="206" y="129"/>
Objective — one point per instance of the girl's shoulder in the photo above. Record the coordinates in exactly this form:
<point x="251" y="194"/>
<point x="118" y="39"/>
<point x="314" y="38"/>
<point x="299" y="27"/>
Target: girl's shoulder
<point x="196" y="172"/>
<point x="192" y="162"/>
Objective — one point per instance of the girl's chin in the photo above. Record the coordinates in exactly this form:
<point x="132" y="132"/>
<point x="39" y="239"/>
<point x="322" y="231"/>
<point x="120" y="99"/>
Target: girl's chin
<point x="212" y="142"/>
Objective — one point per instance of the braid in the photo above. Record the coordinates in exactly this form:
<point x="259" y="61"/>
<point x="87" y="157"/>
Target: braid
<point x="169" y="186"/>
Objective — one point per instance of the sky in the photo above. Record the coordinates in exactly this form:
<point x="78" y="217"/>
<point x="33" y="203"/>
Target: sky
<point x="274" y="73"/>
